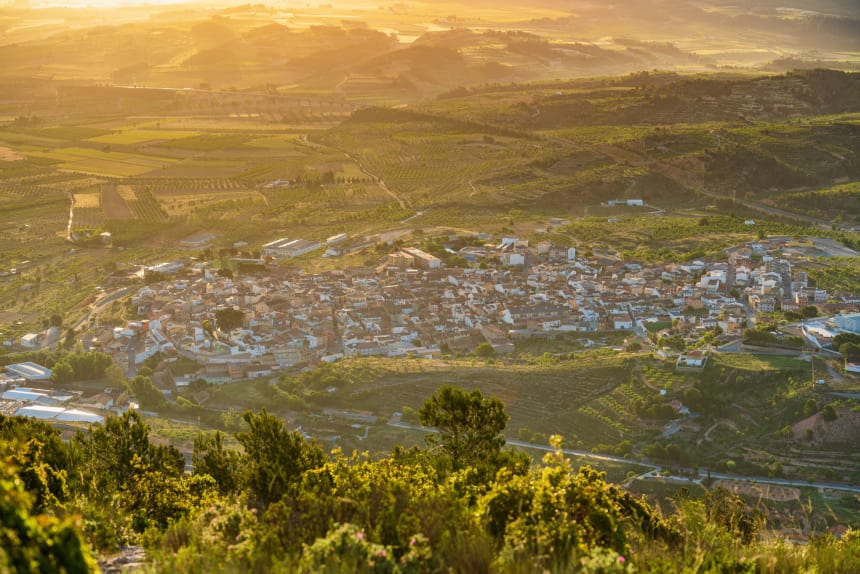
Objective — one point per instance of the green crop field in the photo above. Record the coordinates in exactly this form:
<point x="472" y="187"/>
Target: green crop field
<point x="838" y="274"/>
<point x="278" y="142"/>
<point x="665" y="380"/>
<point x="206" y="142"/>
<point x="135" y="136"/>
<point x="71" y="133"/>
<point x="200" y="168"/>
<point x="105" y="163"/>
<point x="759" y="363"/>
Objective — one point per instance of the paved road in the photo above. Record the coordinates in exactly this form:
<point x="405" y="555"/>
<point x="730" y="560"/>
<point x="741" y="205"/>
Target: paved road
<point x="98" y="305"/>
<point x="780" y="481"/>
<point x="655" y="469"/>
<point x="813" y="342"/>
<point x="582" y="453"/>
<point x="820" y="223"/>
<point x="733" y="347"/>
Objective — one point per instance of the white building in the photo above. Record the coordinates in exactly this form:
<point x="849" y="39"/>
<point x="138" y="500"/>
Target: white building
<point x="31" y="340"/>
<point x="29" y="371"/>
<point x="512" y="259"/>
<point x="422" y="259"/>
<point x="61" y="414"/>
<point x="848" y="322"/>
<point x="287" y="248"/>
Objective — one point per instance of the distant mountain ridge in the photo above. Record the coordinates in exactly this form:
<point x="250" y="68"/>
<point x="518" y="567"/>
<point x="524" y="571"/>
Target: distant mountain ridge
<point x="410" y="52"/>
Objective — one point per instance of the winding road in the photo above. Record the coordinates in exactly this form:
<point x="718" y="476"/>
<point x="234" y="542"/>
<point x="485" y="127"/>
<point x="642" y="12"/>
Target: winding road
<point x="657" y="469"/>
<point x="98" y="305"/>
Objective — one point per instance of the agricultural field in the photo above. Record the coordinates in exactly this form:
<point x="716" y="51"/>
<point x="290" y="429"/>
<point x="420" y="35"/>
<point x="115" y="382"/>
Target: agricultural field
<point x="103" y="163"/>
<point x="115" y="200"/>
<point x="380" y="387"/>
<point x="837" y="274"/>
<point x="287" y="142"/>
<point x="758" y="363"/>
<point x="184" y="205"/>
<point x="139" y="136"/>
<point x="662" y="379"/>
<point x="430" y="161"/>
<point x="88" y="212"/>
<point x="141" y="203"/>
<point x="535" y="349"/>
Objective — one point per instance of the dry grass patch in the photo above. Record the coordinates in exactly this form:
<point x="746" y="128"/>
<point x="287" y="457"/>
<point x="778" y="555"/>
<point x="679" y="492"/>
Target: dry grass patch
<point x="187" y="203"/>
<point x="88" y="200"/>
<point x="126" y="192"/>
<point x="8" y="154"/>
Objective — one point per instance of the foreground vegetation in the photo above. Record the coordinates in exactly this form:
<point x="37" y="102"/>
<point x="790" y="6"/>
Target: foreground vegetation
<point x="279" y="503"/>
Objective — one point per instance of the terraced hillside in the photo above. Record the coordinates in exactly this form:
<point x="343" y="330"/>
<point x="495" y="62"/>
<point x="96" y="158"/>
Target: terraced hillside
<point x="668" y="139"/>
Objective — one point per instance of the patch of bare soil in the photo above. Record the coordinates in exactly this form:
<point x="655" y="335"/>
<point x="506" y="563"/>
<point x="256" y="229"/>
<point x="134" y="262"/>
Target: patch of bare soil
<point x="841" y="432"/>
<point x="761" y="491"/>
<point x="8" y="154"/>
<point x="12" y="317"/>
<point x="113" y="205"/>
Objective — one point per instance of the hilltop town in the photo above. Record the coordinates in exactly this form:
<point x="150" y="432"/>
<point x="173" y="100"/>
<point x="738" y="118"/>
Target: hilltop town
<point x="411" y="304"/>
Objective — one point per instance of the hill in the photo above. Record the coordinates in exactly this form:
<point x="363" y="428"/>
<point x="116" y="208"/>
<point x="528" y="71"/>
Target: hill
<point x="655" y="136"/>
<point x="363" y="54"/>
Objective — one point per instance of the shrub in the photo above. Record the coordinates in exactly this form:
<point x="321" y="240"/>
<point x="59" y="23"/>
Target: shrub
<point x="346" y="549"/>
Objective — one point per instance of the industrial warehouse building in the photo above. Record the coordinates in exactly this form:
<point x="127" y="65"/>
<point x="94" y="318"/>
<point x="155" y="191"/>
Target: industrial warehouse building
<point x="28" y="371"/>
<point x="287" y="248"/>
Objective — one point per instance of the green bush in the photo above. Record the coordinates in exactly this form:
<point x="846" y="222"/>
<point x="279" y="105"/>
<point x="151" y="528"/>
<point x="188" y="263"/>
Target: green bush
<point x="346" y="549"/>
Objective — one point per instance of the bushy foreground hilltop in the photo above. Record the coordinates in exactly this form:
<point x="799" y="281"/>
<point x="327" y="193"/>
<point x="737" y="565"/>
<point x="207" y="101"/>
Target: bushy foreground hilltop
<point x="279" y="503"/>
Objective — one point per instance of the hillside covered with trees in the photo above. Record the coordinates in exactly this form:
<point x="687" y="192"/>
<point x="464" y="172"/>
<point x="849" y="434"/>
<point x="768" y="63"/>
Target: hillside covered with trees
<point x="278" y="503"/>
